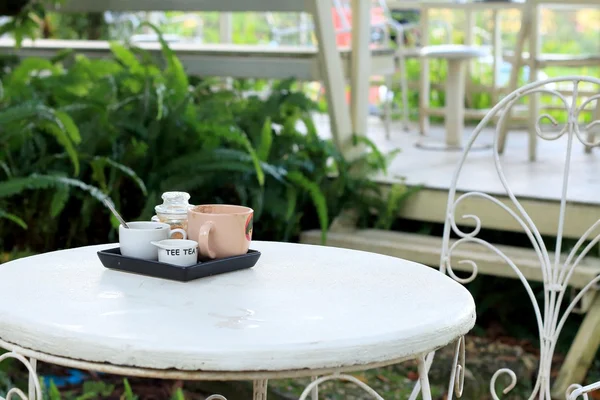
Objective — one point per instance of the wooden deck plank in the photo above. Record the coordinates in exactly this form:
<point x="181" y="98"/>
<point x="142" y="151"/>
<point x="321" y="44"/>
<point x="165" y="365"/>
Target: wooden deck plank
<point x="426" y="250"/>
<point x="183" y="5"/>
<point x="541" y="179"/>
<point x="227" y="60"/>
<point x="537" y="185"/>
<point x="429" y="205"/>
<point x="249" y="50"/>
<point x="582" y="352"/>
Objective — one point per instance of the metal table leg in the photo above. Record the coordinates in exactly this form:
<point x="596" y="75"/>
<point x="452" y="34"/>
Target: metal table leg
<point x="260" y="389"/>
<point x="455" y="110"/>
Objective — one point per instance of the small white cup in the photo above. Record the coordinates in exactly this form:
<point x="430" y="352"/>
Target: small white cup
<point x="177" y="252"/>
<point x="136" y="241"/>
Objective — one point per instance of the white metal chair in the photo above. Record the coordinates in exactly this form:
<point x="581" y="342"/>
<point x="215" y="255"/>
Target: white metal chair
<point x="556" y="270"/>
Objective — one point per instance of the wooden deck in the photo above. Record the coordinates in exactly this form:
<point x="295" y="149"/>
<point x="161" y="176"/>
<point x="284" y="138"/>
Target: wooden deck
<point x="537" y="184"/>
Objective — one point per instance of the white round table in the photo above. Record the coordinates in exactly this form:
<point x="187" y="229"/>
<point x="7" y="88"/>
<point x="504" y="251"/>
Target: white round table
<point x="457" y="56"/>
<point x="301" y="311"/>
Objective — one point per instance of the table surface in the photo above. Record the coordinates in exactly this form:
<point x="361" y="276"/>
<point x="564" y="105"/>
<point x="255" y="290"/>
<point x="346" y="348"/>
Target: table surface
<point x="301" y="306"/>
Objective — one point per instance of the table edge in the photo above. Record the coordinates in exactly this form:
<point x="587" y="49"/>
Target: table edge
<point x="73" y="360"/>
<point x="174" y="374"/>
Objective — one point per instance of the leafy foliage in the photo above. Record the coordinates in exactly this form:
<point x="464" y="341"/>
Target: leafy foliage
<point x="27" y="18"/>
<point x="133" y="126"/>
<point x="90" y="389"/>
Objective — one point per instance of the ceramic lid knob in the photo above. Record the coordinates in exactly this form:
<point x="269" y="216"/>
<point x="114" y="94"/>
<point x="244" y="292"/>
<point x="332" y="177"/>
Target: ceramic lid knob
<point x="174" y="203"/>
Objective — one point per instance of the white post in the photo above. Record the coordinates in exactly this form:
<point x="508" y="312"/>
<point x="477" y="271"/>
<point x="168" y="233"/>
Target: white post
<point x="304" y="35"/>
<point x="497" y="51"/>
<point x="361" y="64"/>
<point x="424" y="379"/>
<point x="333" y="74"/>
<point x="455" y="96"/>
<point x="225" y="27"/>
<point x="524" y="32"/>
<point x="315" y="392"/>
<point x="32" y="395"/>
<point x="593" y="133"/>
<point x="200" y="28"/>
<point x="469" y="41"/>
<point x="534" y="99"/>
<point x="226" y="36"/>
<point x="260" y="389"/>
<point x="303" y="21"/>
<point x="425" y="84"/>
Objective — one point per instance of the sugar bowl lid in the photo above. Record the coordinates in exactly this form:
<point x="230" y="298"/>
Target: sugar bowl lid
<point x="174" y="203"/>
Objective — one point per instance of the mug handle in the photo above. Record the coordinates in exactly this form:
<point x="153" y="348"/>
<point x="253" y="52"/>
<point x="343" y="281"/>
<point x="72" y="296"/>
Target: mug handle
<point x="178" y="230"/>
<point x="203" y="236"/>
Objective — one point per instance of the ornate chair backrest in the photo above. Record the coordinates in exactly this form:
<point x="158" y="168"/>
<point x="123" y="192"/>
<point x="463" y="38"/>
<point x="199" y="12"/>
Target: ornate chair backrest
<point x="556" y="271"/>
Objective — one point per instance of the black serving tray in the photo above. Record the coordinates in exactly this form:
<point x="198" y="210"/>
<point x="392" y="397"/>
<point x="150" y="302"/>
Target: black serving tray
<point x="113" y="259"/>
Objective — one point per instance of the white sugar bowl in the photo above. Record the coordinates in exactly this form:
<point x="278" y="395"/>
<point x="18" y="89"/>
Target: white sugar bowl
<point x="177" y="251"/>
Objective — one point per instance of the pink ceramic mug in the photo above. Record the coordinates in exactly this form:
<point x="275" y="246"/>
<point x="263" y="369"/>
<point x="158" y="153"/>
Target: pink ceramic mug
<point x="221" y="230"/>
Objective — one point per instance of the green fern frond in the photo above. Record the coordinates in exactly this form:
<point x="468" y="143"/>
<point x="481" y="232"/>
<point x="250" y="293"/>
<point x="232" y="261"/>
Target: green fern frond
<point x="125" y="56"/>
<point x="50" y="123"/>
<point x="53" y="392"/>
<point x="100" y="68"/>
<point x="218" y="166"/>
<point x="160" y="100"/>
<point x="69" y="126"/>
<point x="61" y="137"/>
<point x="176" y="76"/>
<point x="124" y="102"/>
<point x="317" y="197"/>
<point x="16" y="186"/>
<point x="380" y="159"/>
<point x="128" y="392"/>
<point x="227" y="159"/>
<point x="311" y="129"/>
<point x="178" y="395"/>
<point x="59" y="201"/>
<point x="4" y="166"/>
<point x="257" y="201"/>
<point x="242" y="192"/>
<point x="12" y="217"/>
<point x="21" y="113"/>
<point x="98" y="174"/>
<point x="21" y="75"/>
<point x="398" y="194"/>
<point x="241" y="139"/>
<point x="266" y="140"/>
<point x="62" y="55"/>
<point x="124" y="169"/>
<point x="292" y="201"/>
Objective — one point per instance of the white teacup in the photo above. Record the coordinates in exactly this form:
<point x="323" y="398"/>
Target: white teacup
<point x="137" y="240"/>
<point x="177" y="252"/>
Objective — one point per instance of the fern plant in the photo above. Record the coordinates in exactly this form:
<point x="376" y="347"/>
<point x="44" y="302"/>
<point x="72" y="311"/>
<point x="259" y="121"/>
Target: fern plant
<point x="18" y="124"/>
<point x="41" y="161"/>
<point x="134" y="126"/>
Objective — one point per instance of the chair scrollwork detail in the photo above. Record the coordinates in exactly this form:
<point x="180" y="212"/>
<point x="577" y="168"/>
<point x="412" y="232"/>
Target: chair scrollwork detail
<point x="35" y="390"/>
<point x="556" y="271"/>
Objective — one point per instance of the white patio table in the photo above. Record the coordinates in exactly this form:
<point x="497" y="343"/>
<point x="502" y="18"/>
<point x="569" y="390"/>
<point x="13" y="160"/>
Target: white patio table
<point x="301" y="311"/>
<point x="457" y="57"/>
